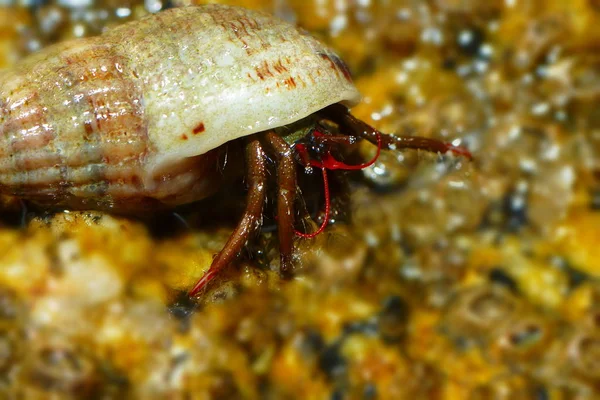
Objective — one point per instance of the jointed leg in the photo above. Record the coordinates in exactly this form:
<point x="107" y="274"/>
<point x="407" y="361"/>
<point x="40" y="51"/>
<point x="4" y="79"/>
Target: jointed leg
<point x="346" y="140"/>
<point x="340" y="114"/>
<point x="286" y="179"/>
<point x="255" y="165"/>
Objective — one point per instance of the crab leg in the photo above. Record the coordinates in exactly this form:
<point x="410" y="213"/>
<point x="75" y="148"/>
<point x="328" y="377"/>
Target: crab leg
<point x="251" y="219"/>
<point x="390" y="142"/>
<point x="286" y="180"/>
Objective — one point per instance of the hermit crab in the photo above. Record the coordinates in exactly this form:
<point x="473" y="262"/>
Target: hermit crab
<point x="136" y="118"/>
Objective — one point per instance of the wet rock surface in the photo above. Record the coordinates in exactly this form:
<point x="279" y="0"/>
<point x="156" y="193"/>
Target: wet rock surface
<point x="443" y="278"/>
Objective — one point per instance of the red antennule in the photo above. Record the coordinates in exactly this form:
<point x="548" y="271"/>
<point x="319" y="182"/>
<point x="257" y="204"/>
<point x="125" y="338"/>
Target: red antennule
<point x="327" y="208"/>
<point x="328" y="161"/>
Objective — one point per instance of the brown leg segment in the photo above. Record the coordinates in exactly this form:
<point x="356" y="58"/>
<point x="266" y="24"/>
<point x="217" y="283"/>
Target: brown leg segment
<point x="363" y="130"/>
<point x="286" y="179"/>
<point x="251" y="219"/>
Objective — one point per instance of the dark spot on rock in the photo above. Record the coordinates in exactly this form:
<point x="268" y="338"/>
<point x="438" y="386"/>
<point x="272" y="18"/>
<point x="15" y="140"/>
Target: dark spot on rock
<point x="314" y="340"/>
<point x="182" y="310"/>
<point x="312" y="343"/>
<point x="331" y="362"/>
<point x="470" y="40"/>
<point x="184" y="137"/>
<point x="337" y="395"/>
<point x="576" y="277"/>
<point x="526" y="334"/>
<point x="541" y="393"/>
<point x="449" y="63"/>
<point x="370" y="392"/>
<point x="368" y="328"/>
<point x="515" y="210"/>
<point x="498" y="276"/>
<point x="393" y="318"/>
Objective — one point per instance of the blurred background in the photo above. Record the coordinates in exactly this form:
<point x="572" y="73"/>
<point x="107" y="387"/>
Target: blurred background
<point x="443" y="278"/>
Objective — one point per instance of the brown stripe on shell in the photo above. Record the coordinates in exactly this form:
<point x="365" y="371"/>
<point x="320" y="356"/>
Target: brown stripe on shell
<point x="92" y="154"/>
<point x="25" y="134"/>
<point x="337" y="65"/>
<point x="341" y="65"/>
<point x="279" y="67"/>
<point x="98" y="131"/>
<point x="109" y="106"/>
<point x="263" y="70"/>
<point x="29" y="160"/>
<point x="240" y="27"/>
<point x="290" y="83"/>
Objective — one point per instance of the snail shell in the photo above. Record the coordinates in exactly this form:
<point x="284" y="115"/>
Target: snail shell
<point x="135" y="117"/>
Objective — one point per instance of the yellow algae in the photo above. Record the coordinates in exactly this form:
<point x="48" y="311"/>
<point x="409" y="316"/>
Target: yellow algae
<point x="578" y="240"/>
<point x="441" y="279"/>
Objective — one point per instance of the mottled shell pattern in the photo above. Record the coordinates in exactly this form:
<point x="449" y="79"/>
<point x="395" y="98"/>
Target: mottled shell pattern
<point x="135" y="115"/>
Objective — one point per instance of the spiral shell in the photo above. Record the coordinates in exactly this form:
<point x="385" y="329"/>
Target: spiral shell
<point x="136" y="116"/>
